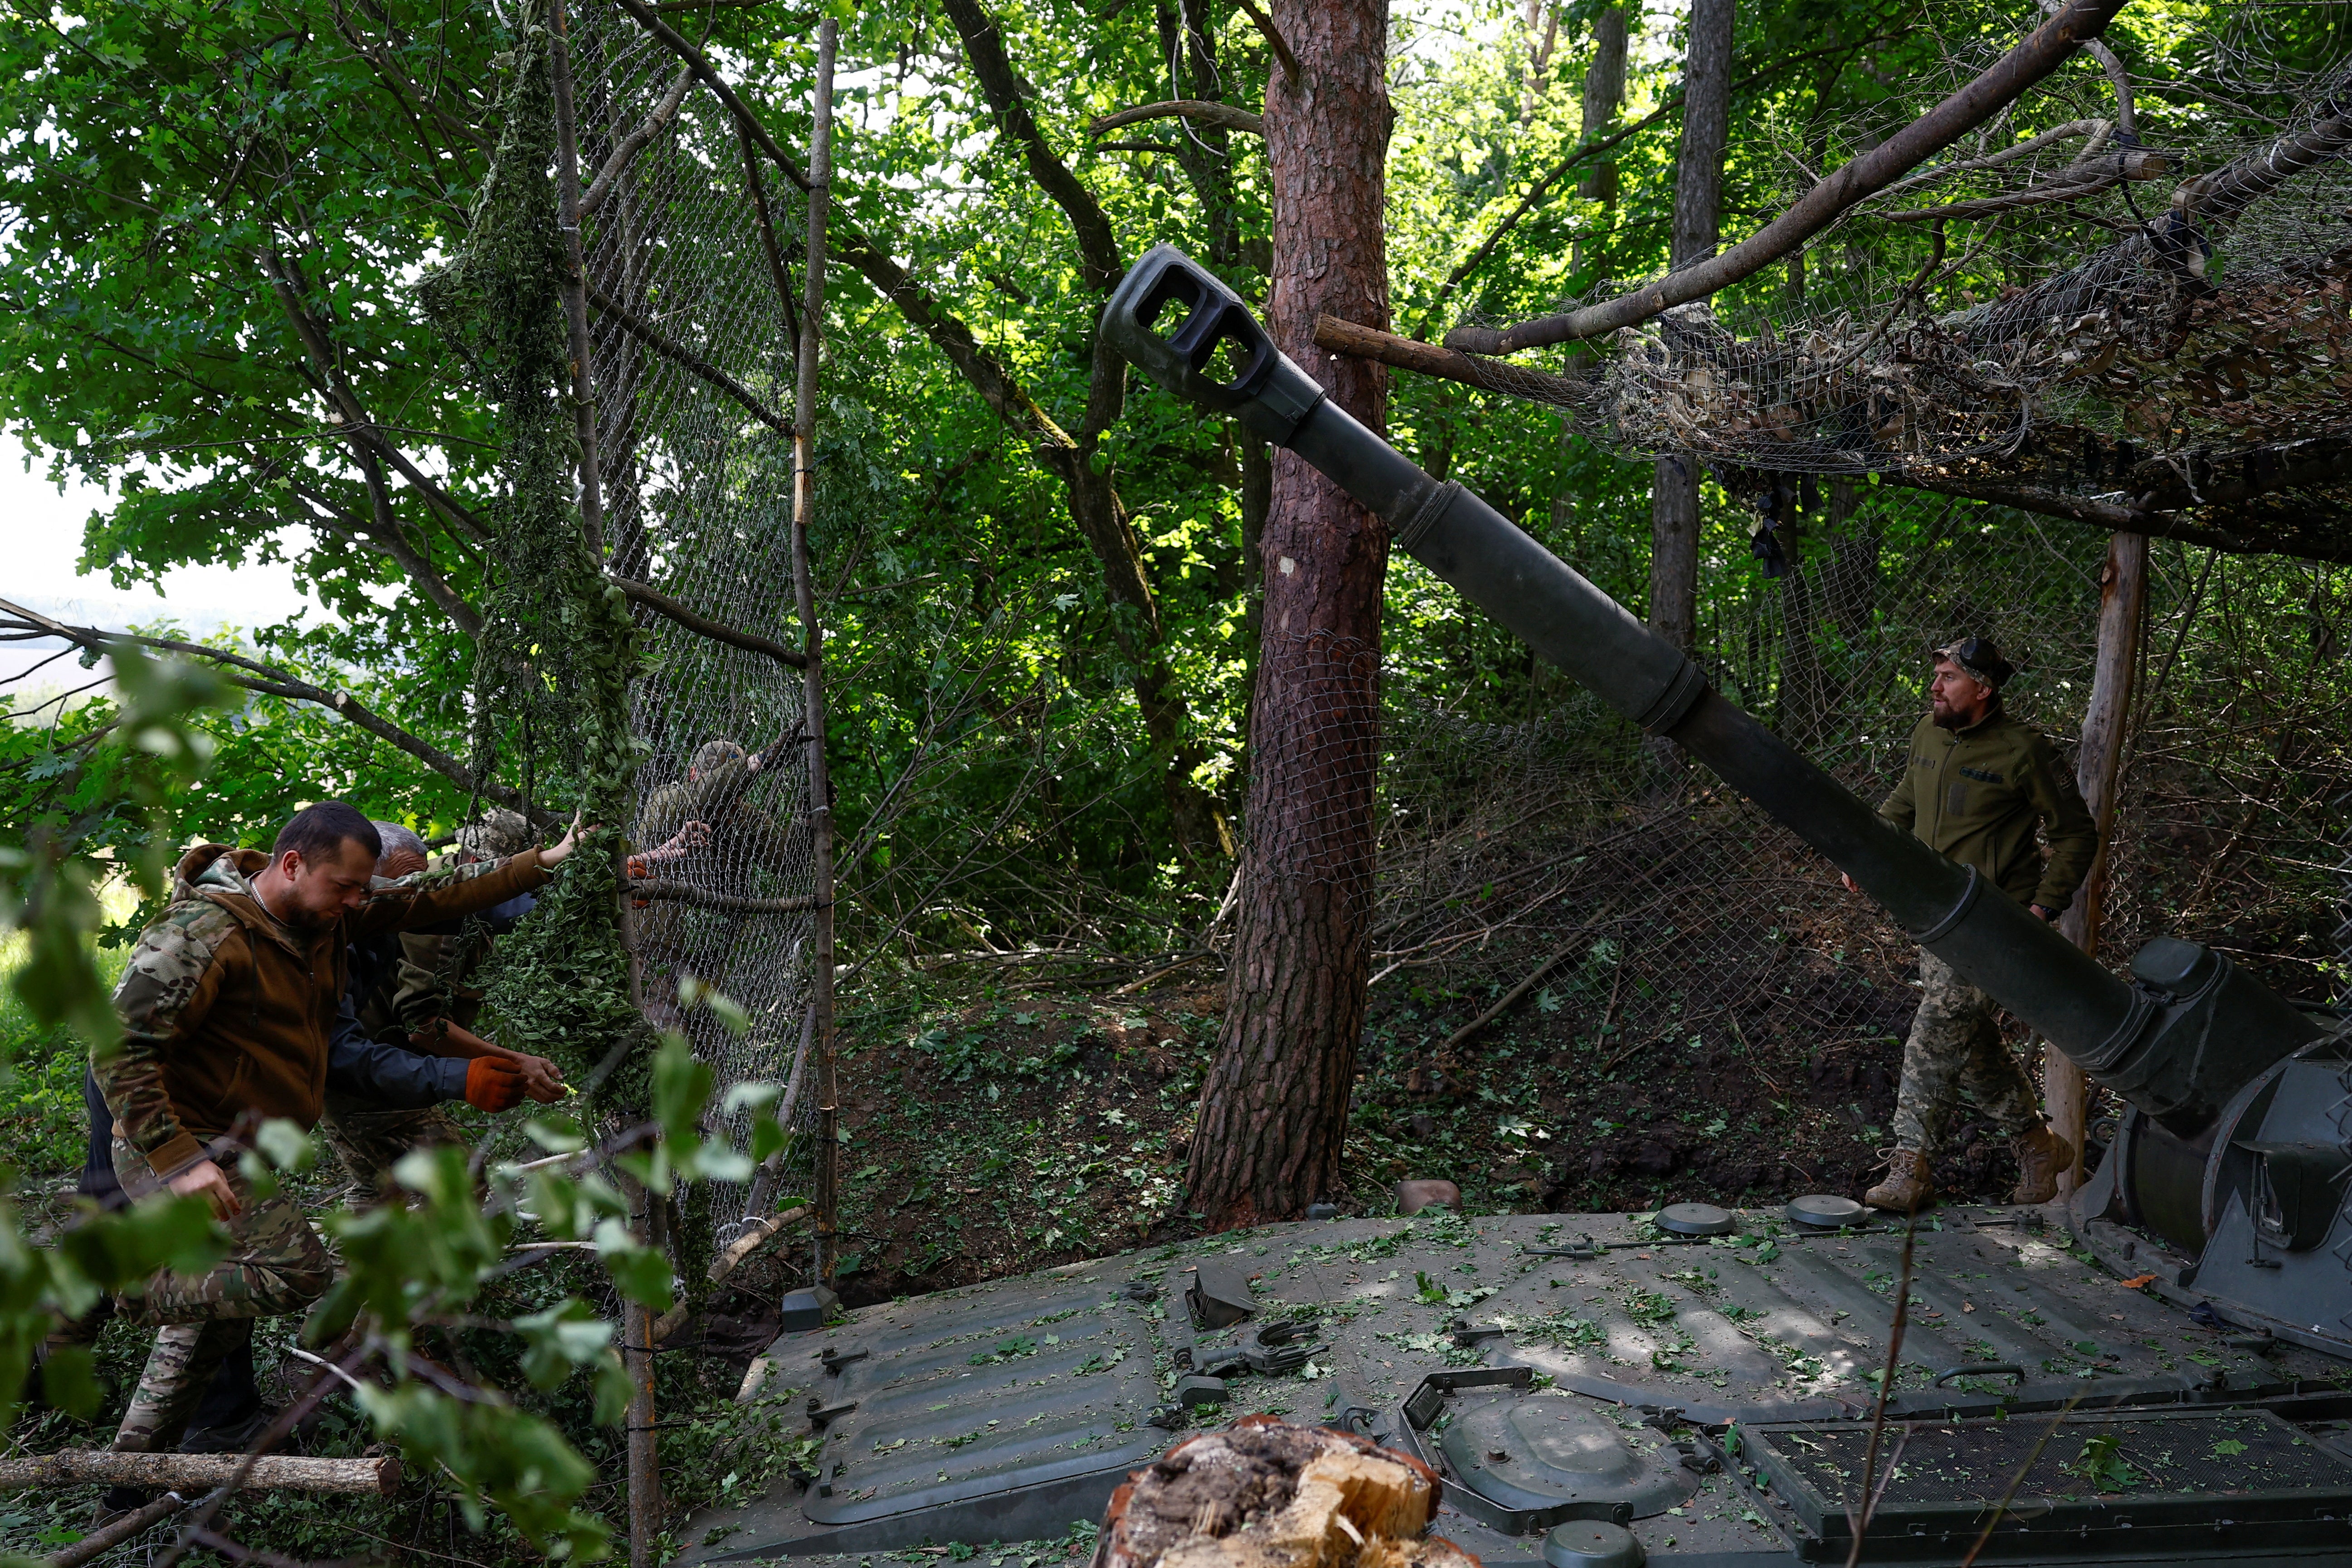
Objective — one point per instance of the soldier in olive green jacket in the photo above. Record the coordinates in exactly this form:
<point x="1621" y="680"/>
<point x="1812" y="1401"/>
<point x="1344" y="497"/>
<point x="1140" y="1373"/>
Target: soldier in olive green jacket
<point x="1978" y="785"/>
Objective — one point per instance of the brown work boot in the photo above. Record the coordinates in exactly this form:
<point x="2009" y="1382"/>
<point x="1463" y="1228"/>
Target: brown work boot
<point x="2042" y="1156"/>
<point x="1909" y="1185"/>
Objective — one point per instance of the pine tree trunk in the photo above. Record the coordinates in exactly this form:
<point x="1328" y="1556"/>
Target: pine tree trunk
<point x="1274" y="1111"/>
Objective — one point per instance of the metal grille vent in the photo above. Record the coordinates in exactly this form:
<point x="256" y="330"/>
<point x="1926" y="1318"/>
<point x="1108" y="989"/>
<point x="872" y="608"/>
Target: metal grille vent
<point x="2217" y="1474"/>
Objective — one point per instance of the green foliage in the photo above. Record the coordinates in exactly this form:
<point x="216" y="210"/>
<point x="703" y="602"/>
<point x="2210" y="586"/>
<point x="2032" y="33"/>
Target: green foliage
<point x="557" y="985"/>
<point x="2102" y="1465"/>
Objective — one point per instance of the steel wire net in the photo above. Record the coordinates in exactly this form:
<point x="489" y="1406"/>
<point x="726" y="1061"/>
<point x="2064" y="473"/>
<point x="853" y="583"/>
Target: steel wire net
<point x="2115" y="287"/>
<point x="694" y="346"/>
<point x="1665" y="925"/>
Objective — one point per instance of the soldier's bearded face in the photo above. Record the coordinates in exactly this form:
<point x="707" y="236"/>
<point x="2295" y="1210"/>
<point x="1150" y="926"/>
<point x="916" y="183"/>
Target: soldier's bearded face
<point x="1957" y="698"/>
<point x="320" y="888"/>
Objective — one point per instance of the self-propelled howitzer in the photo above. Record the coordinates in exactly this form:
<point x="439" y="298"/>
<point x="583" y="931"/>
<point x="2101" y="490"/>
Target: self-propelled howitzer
<point x="2232" y="1150"/>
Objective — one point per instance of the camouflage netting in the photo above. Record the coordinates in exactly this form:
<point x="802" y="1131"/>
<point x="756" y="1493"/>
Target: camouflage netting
<point x="682" y="735"/>
<point x="694" y="353"/>
<point x="2089" y="308"/>
<point x="557" y="652"/>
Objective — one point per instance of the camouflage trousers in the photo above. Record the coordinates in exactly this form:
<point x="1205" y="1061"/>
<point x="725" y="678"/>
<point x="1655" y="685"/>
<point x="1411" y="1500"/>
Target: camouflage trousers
<point x="1955" y="1047"/>
<point x="276" y="1264"/>
<point x="369" y="1142"/>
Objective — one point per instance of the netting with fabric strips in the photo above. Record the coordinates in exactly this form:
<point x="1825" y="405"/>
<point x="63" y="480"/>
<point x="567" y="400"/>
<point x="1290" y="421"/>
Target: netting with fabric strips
<point x="2130" y="288"/>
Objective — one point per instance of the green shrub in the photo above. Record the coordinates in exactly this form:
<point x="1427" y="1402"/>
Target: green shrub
<point x="42" y="1122"/>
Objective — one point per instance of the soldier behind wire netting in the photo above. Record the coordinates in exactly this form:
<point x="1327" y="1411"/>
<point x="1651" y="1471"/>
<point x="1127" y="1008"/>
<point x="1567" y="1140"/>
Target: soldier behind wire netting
<point x="702" y="829"/>
<point x="1976" y="786"/>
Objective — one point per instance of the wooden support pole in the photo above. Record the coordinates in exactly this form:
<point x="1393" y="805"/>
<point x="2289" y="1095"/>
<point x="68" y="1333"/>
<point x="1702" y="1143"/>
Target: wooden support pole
<point x="2122" y="605"/>
<point x="804" y="397"/>
<point x="198" y="1473"/>
<point x="637" y="1361"/>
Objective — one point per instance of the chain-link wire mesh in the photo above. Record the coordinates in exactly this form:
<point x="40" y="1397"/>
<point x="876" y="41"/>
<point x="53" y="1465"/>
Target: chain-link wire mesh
<point x="1662" y="913"/>
<point x="694" y="330"/>
<point x="1320" y="700"/>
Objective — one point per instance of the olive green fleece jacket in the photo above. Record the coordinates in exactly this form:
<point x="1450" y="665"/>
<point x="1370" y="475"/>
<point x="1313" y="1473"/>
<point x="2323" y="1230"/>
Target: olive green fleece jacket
<point x="1975" y="795"/>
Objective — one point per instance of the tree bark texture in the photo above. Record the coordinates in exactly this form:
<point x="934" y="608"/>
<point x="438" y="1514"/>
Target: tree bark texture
<point x="1698" y="205"/>
<point x="1274" y="1110"/>
<point x="1604" y="95"/>
<point x="271" y="1472"/>
<point x="1673" y="550"/>
<point x="2098" y="762"/>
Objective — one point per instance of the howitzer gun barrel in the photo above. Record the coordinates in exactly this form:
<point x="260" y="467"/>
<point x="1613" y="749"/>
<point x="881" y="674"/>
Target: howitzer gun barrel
<point x="2110" y="1028"/>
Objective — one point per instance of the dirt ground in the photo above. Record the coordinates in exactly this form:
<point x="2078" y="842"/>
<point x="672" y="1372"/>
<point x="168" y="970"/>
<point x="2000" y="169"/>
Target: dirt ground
<point x="1019" y="1132"/>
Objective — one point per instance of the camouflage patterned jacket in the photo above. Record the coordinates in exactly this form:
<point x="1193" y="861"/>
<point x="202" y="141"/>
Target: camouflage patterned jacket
<point x="226" y="1011"/>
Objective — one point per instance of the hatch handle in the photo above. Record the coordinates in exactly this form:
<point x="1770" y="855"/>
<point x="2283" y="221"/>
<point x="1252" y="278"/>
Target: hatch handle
<point x="832" y="1360"/>
<point x="1981" y="1369"/>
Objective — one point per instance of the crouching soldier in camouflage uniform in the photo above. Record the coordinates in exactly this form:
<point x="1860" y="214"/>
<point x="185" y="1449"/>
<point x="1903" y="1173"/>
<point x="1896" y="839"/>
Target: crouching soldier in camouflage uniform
<point x="1977" y="785"/>
<point x="407" y="991"/>
<point x="226" y="1005"/>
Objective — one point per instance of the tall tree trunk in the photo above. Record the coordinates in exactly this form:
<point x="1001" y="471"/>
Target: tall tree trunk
<point x="1542" y="27"/>
<point x="2098" y="763"/>
<point x="1274" y="1111"/>
<point x="1698" y="204"/>
<point x="1604" y="95"/>
<point x="1673" y="550"/>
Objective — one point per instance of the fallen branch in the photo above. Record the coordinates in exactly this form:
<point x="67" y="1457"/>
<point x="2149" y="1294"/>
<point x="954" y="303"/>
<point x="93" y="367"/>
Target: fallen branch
<point x="694" y="363"/>
<point x="1411" y="353"/>
<point x="273" y="682"/>
<point x="740" y="1251"/>
<point x="187" y="1472"/>
<point x="2072" y="183"/>
<point x="1511" y="997"/>
<point x="1132" y="986"/>
<point x="654" y="599"/>
<point x="2032" y="59"/>
<point x="702" y="898"/>
<point x="106" y="1538"/>
<point x="2095" y="129"/>
<point x="1223" y="116"/>
<point x="634" y="142"/>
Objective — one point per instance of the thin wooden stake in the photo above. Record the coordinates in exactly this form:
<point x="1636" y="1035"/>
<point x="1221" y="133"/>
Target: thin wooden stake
<point x="106" y="1538"/>
<point x="637" y="1361"/>
<point x="1860" y="1522"/>
<point x="2122" y="605"/>
<point x="805" y="396"/>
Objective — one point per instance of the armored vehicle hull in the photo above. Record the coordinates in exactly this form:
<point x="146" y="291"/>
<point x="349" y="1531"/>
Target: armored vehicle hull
<point x="1701" y="1391"/>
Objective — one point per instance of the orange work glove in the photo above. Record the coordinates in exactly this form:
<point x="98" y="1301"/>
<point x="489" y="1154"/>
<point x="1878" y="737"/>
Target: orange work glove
<point x="492" y="1084"/>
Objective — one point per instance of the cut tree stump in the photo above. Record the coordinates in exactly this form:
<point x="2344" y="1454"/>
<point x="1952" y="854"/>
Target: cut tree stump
<point x="1265" y="1494"/>
<point x="199" y="1472"/>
